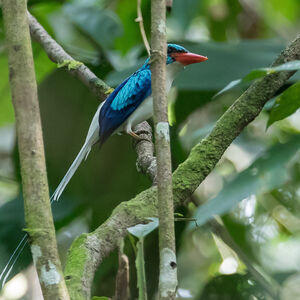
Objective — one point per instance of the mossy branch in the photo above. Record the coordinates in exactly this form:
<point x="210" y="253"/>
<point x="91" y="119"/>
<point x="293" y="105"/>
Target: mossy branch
<point x="38" y="214"/>
<point x="89" y="250"/>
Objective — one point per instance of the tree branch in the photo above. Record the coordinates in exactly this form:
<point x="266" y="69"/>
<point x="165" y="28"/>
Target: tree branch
<point x="59" y="56"/>
<point x="146" y="162"/>
<point x="37" y="208"/>
<point x="88" y="250"/>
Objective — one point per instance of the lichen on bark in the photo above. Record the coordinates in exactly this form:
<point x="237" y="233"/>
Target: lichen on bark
<point x="38" y="214"/>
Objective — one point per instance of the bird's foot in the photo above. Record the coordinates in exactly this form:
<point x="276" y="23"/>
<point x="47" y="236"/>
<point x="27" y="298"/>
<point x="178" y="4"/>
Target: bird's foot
<point x="134" y="135"/>
<point x="137" y="137"/>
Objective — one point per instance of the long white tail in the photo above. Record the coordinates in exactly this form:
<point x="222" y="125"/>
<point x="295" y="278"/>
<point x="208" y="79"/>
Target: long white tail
<point x="91" y="138"/>
<point x="79" y="158"/>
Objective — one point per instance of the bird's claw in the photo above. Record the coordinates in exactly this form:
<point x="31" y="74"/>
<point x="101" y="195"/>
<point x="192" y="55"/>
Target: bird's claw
<point x="138" y="138"/>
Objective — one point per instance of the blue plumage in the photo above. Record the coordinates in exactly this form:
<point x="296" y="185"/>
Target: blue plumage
<point x="176" y="48"/>
<point x="124" y="100"/>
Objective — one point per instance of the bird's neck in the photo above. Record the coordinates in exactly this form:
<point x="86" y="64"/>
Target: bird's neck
<point x="172" y="70"/>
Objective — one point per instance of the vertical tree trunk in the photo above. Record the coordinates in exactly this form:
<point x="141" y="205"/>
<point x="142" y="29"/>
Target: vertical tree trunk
<point x="31" y="149"/>
<point x="168" y="267"/>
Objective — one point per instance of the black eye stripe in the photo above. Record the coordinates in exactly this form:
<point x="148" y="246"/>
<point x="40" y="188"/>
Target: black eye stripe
<point x="174" y="50"/>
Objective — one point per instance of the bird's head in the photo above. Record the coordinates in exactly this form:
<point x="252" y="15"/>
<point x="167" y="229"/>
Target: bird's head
<point x="176" y="53"/>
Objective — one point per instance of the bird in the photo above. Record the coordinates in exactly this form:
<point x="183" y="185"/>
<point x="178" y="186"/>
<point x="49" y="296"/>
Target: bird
<point x="128" y="105"/>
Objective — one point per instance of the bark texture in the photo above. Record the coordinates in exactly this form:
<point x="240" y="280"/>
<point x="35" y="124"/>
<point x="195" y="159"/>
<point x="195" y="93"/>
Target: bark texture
<point x="167" y="256"/>
<point x="89" y="250"/>
<point x="122" y="279"/>
<point x="31" y="150"/>
<point x="146" y="162"/>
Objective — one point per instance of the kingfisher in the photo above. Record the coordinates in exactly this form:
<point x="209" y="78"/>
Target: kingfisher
<point x="128" y="105"/>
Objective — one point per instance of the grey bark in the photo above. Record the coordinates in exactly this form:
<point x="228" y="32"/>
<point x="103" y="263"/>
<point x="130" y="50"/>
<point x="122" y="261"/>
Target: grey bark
<point x="38" y="214"/>
<point x="167" y="251"/>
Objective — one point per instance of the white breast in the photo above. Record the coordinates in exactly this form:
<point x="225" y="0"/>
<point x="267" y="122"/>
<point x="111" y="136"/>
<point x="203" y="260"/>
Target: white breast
<point x="145" y="110"/>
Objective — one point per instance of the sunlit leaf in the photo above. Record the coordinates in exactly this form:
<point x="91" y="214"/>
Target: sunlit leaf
<point x="266" y="173"/>
<point x="142" y="230"/>
<point x="289" y="66"/>
<point x="286" y="104"/>
<point x="228" y="87"/>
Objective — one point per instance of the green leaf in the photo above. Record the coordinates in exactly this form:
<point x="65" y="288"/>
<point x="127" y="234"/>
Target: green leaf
<point x="289" y="66"/>
<point x="233" y="286"/>
<point x="6" y="108"/>
<point x="229" y="86"/>
<point x="43" y="66"/>
<point x="73" y="41"/>
<point x="102" y="25"/>
<point x="265" y="174"/>
<point x="142" y="230"/>
<point x="100" y="298"/>
<point x="286" y="104"/>
<point x="258" y="73"/>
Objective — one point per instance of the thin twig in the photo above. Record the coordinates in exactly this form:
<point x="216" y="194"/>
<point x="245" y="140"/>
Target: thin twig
<point x="140" y="20"/>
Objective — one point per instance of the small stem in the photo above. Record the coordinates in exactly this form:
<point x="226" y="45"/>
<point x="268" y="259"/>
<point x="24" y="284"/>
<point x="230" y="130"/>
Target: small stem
<point x="140" y="267"/>
<point x="140" y="20"/>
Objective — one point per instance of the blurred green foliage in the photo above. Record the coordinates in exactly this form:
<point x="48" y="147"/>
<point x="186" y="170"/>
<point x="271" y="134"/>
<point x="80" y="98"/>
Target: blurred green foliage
<point x="260" y="198"/>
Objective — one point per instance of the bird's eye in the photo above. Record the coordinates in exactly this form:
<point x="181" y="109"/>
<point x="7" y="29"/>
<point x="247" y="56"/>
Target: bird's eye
<point x="171" y="50"/>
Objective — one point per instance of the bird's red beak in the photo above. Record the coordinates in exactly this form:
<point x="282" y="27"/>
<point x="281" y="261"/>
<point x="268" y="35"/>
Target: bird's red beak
<point x="188" y="58"/>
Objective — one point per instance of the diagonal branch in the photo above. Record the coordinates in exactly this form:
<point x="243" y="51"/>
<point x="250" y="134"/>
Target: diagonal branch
<point x="89" y="250"/>
<point x="59" y="56"/>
